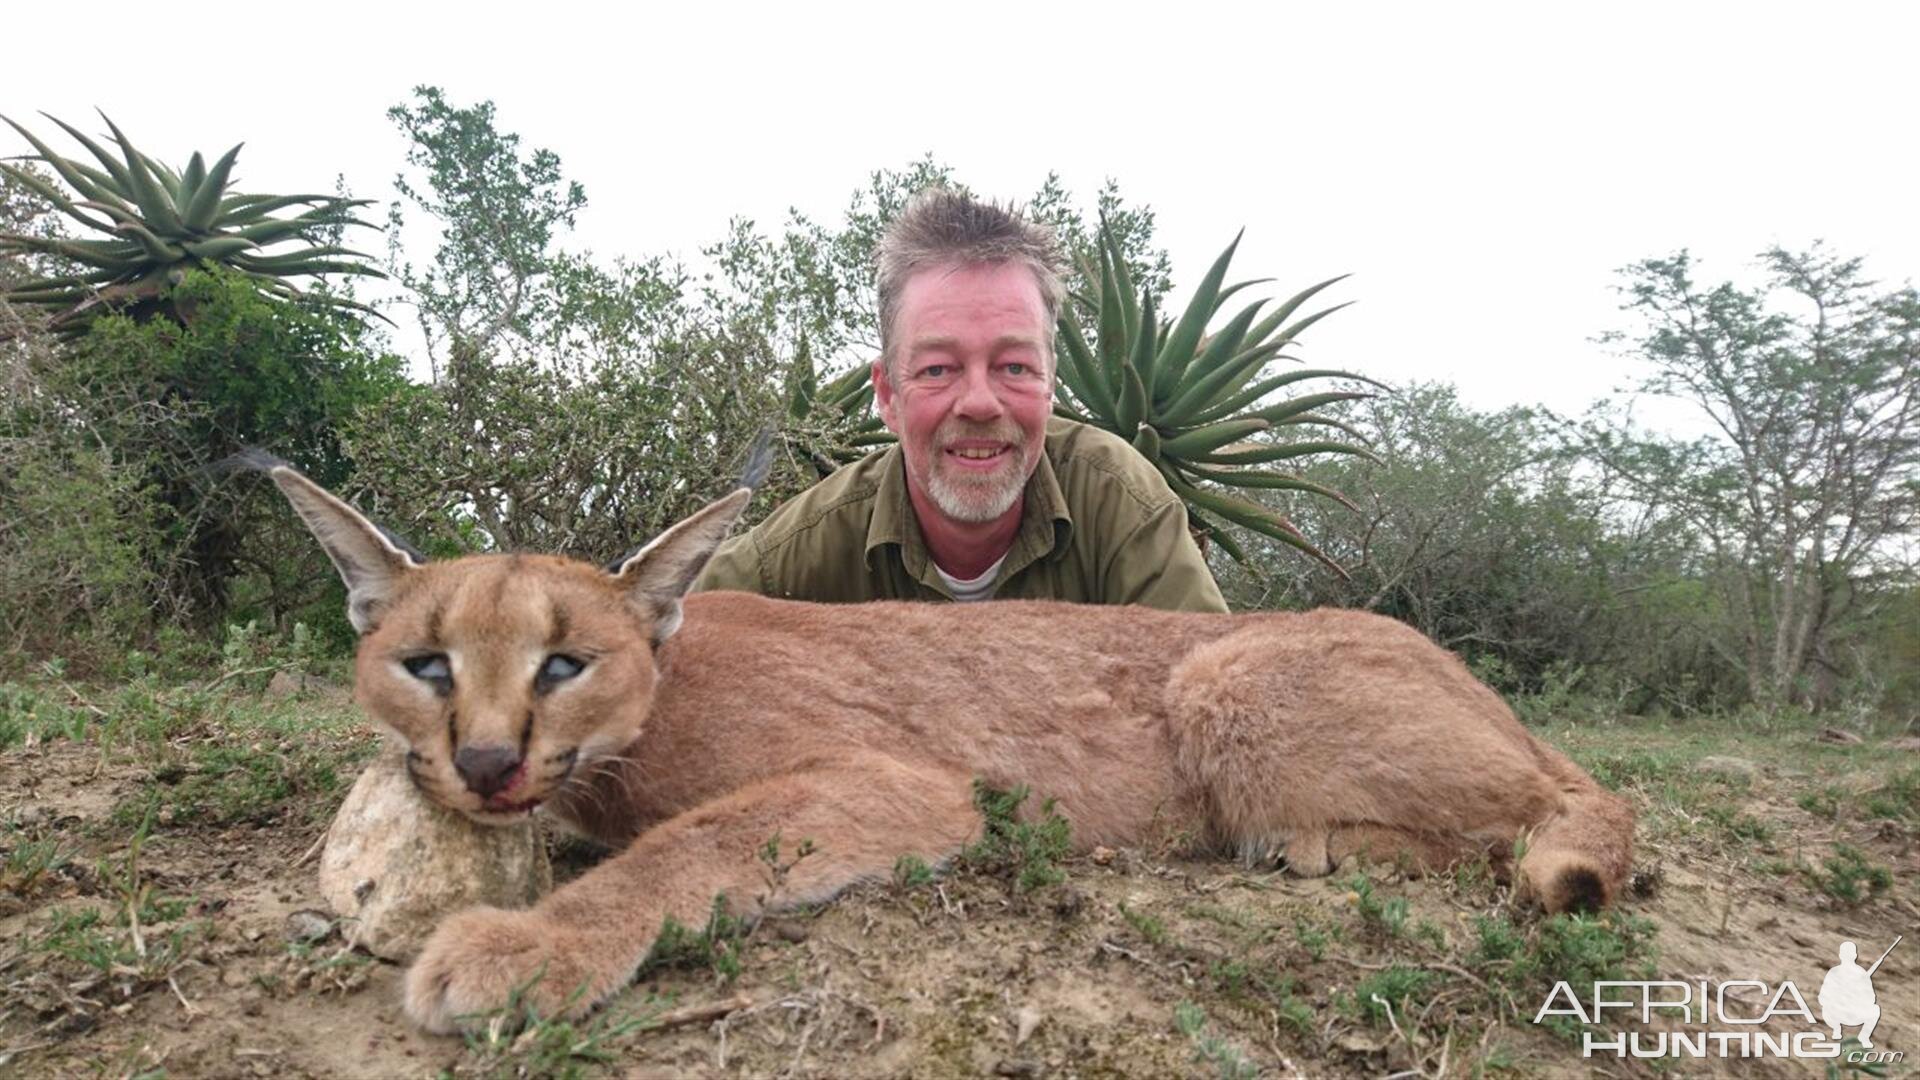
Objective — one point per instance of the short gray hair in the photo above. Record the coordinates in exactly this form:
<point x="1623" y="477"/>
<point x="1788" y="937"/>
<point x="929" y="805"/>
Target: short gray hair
<point x="944" y="227"/>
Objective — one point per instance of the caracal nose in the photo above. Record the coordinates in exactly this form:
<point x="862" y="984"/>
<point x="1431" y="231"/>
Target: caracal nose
<point x="486" y="769"/>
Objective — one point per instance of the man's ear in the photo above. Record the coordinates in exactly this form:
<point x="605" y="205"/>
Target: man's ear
<point x="883" y="394"/>
<point x="371" y="560"/>
<point x="656" y="576"/>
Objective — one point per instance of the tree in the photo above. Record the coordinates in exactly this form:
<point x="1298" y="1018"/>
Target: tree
<point x="159" y="224"/>
<point x="1810" y="387"/>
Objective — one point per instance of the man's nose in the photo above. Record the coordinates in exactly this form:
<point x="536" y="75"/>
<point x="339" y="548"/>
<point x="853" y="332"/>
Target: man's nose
<point x="978" y="400"/>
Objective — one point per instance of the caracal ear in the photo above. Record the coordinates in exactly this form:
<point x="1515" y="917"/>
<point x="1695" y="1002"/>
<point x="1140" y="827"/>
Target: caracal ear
<point x="371" y="560"/>
<point x="657" y="575"/>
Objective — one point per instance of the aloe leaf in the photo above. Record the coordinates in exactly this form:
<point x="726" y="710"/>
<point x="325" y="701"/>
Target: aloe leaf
<point x="1266" y="454"/>
<point x="1267" y="386"/>
<point x="1211" y="373"/>
<point x="205" y="207"/>
<point x="1202" y="440"/>
<point x="1267" y="480"/>
<point x="1185" y="338"/>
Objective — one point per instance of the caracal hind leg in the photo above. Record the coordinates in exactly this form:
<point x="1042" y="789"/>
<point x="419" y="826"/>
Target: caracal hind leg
<point x="585" y="941"/>
<point x="1289" y="731"/>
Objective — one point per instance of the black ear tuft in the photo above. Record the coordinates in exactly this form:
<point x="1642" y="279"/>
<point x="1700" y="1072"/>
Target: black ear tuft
<point x="759" y="460"/>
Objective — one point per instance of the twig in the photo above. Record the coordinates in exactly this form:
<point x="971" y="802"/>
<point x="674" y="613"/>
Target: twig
<point x="184" y="1003"/>
<point x="1395" y="1025"/>
<point x="1108" y="946"/>
<point x="700" y="1014"/>
<point x="215" y="684"/>
<point x="315" y="849"/>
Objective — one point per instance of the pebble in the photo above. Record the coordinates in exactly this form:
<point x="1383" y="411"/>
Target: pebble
<point x="307" y="927"/>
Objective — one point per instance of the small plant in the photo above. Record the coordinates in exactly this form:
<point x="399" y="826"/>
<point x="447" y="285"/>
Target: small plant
<point x="1313" y="939"/>
<point x="1236" y="979"/>
<point x="715" y="946"/>
<point x="27" y="862"/>
<point x="911" y="872"/>
<point x="1898" y="799"/>
<point x="1394" y="988"/>
<point x="1147" y="926"/>
<point x="1738" y="826"/>
<point x="1230" y="1061"/>
<point x="1028" y="850"/>
<point x="1821" y="802"/>
<point x="515" y="1042"/>
<point x="1523" y="963"/>
<point x="1388" y="917"/>
<point x="1848" y="877"/>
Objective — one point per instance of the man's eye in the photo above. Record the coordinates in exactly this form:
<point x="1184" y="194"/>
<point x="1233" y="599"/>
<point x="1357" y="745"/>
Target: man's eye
<point x="431" y="668"/>
<point x="1016" y="368"/>
<point x="558" y="668"/>
<point x="933" y="371"/>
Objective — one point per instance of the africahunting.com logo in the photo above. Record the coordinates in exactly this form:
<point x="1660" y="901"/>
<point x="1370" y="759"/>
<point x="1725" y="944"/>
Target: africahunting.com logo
<point x="1717" y="1027"/>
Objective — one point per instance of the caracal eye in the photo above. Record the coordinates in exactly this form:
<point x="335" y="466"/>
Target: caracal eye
<point x="558" y="668"/>
<point x="430" y="668"/>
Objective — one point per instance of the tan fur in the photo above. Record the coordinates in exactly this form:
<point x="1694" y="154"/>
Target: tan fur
<point x="1315" y="736"/>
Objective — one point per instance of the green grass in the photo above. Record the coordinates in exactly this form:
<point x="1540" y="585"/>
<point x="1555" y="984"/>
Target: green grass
<point x="1027" y="852"/>
<point x="911" y="872"/>
<point x="1229" y="1061"/>
<point x="715" y="947"/>
<point x="1147" y="926"/>
<point x="1849" y="877"/>
<point x="1395" y="987"/>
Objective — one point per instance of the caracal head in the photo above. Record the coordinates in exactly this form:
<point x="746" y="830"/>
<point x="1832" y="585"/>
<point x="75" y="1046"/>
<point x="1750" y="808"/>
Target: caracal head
<point x="507" y="675"/>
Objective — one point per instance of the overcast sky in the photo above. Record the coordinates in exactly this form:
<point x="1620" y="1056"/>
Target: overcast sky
<point x="1482" y="170"/>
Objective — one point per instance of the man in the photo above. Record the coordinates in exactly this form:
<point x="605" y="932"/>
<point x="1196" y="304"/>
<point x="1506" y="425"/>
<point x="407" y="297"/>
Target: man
<point x="985" y="495"/>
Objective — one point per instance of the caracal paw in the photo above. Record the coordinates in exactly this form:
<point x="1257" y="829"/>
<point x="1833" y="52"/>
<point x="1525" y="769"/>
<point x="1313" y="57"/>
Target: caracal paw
<point x="485" y="960"/>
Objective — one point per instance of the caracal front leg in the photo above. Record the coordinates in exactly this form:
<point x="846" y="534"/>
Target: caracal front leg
<point x="584" y="943"/>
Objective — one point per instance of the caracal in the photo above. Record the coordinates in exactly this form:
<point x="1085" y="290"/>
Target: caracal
<point x="684" y="732"/>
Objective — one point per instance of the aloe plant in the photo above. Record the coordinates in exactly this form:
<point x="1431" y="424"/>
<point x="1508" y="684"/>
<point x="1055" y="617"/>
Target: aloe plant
<point x="832" y="424"/>
<point x="1202" y="406"/>
<point x="158" y="223"/>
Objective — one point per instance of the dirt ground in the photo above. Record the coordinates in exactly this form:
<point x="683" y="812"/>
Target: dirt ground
<point x="155" y="874"/>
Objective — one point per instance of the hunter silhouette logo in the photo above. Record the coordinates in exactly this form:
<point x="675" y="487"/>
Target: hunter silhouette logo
<point x="1725" y="1020"/>
<point x="1846" y="994"/>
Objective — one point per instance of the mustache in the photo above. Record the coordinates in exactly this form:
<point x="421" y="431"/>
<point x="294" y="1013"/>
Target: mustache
<point x="952" y="433"/>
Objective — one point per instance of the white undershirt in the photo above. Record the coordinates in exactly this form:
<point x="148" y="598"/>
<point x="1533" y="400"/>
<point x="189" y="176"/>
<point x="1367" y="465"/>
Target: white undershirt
<point x="979" y="588"/>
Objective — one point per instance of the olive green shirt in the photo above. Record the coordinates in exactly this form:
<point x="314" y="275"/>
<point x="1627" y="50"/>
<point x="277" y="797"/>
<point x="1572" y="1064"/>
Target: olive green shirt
<point x="1100" y="527"/>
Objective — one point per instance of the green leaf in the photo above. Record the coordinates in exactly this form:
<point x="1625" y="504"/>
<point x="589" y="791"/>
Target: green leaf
<point x="1202" y="440"/>
<point x="1185" y="338"/>
<point x="1213" y="372"/>
<point x="1280" y="413"/>
<point x="1267" y="386"/>
<point x="1270" y="481"/>
<point x="200" y="213"/>
<point x="1142" y="359"/>
<point x="153" y="202"/>
<point x="1282" y="452"/>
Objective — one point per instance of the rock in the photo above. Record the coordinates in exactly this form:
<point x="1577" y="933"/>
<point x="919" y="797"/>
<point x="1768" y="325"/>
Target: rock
<point x="1024" y="1023"/>
<point x="1838" y="737"/>
<point x="424" y="862"/>
<point x="1728" y="766"/>
<point x="1016" y="1067"/>
<point x="286" y="684"/>
<point x="1103" y="856"/>
<point x="308" y="927"/>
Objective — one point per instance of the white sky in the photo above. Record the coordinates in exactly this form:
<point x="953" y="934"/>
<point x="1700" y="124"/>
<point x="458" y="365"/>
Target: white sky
<point x="1481" y="169"/>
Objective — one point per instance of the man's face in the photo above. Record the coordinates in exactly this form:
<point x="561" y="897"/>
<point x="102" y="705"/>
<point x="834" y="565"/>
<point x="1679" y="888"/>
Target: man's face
<point x="972" y="386"/>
